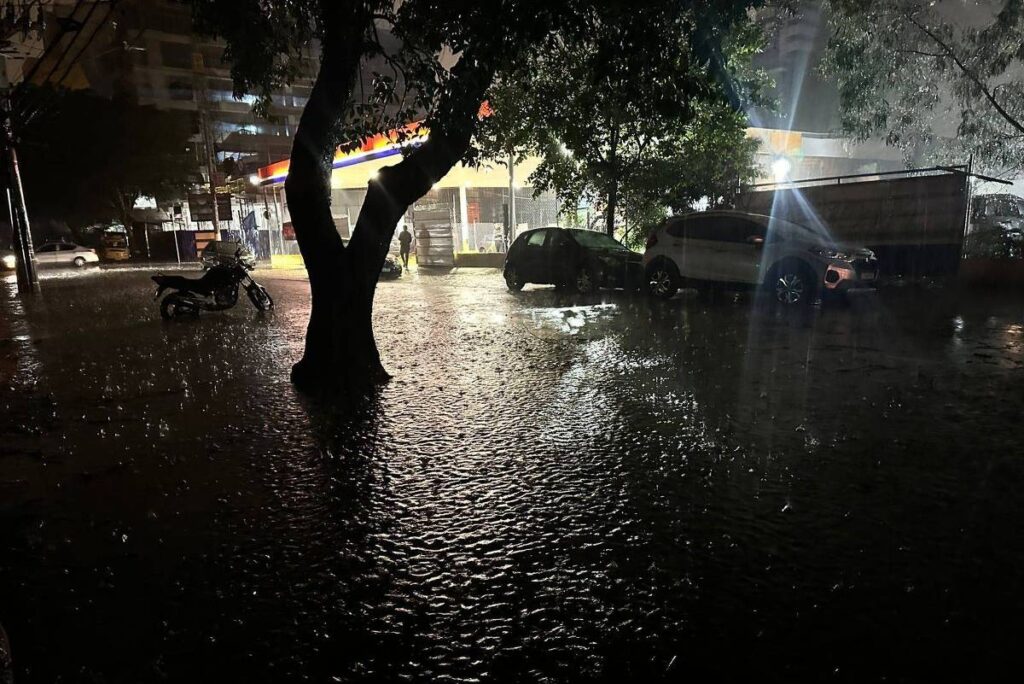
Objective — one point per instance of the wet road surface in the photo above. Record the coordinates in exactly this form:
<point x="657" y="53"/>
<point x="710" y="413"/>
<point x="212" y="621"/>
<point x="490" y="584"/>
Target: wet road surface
<point x="551" y="489"/>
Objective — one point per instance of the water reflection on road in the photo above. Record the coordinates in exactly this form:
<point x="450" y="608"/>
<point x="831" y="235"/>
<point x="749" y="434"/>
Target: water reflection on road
<point x="553" y="487"/>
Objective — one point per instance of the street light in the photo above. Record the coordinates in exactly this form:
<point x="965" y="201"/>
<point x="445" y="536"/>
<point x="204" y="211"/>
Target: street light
<point x="781" y="168"/>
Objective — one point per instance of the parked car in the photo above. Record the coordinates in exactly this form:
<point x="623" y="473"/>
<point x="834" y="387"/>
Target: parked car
<point x="582" y="259"/>
<point x="65" y="254"/>
<point x="732" y="248"/>
<point x="218" y="251"/>
<point x="996" y="228"/>
<point x="8" y="260"/>
<point x="391" y="269"/>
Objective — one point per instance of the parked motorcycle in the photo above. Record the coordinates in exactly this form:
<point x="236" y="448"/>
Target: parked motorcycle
<point x="216" y="290"/>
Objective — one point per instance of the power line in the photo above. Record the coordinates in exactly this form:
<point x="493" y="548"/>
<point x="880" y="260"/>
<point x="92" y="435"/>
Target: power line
<point x="27" y="114"/>
<point x="74" y="38"/>
<point x="100" y="24"/>
<point x="42" y="58"/>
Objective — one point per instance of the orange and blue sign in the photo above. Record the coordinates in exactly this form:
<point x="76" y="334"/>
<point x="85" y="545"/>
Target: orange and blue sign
<point x="377" y="146"/>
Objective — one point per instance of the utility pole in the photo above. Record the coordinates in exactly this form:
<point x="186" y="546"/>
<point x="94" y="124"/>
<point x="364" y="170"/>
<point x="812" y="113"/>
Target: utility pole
<point x="199" y="72"/>
<point x="211" y="167"/>
<point x="28" y="280"/>
<point x="511" y="201"/>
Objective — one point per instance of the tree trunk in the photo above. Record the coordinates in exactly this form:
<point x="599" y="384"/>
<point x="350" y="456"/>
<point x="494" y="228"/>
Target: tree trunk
<point x="613" y="185"/>
<point x="341" y="355"/>
<point x="613" y="200"/>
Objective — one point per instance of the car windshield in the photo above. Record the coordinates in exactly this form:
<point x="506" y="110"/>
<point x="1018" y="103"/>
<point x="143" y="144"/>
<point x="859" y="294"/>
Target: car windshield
<point x="596" y="240"/>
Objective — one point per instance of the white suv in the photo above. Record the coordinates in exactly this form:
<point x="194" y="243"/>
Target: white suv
<point x="791" y="261"/>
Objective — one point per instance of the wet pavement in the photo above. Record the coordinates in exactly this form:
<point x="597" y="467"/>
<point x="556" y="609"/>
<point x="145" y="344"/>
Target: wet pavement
<point x="551" y="489"/>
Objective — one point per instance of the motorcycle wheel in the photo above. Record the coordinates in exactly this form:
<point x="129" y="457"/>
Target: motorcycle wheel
<point x="174" y="306"/>
<point x="260" y="298"/>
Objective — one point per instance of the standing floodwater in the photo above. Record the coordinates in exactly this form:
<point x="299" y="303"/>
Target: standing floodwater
<point x="552" y="488"/>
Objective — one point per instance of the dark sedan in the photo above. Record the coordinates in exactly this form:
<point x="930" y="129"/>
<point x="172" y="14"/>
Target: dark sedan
<point x="581" y="259"/>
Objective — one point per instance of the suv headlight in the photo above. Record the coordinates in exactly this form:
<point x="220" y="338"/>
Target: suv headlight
<point x="836" y="254"/>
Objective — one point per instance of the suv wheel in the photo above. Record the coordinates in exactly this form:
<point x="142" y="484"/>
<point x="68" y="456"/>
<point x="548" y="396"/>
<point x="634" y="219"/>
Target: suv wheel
<point x="791" y="284"/>
<point x="661" y="280"/>
<point x="513" y="280"/>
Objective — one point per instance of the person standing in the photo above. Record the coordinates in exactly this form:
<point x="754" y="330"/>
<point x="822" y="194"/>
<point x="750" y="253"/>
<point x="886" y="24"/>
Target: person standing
<point x="405" y="241"/>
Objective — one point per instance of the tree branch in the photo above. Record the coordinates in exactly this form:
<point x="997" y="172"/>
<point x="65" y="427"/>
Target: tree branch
<point x="397" y="187"/>
<point x="967" y="71"/>
<point x="921" y="53"/>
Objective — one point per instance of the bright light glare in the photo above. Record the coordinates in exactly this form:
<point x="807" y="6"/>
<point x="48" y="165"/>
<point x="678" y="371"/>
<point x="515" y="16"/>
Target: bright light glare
<point x="780" y="169"/>
<point x="10" y="261"/>
<point x="254" y="179"/>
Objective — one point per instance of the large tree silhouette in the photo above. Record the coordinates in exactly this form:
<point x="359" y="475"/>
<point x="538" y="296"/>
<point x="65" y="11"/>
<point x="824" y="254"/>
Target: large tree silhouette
<point x="381" y="65"/>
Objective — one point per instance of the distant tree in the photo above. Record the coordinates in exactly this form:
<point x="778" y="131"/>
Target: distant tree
<point x="86" y="159"/>
<point x="628" y="125"/>
<point x="708" y="163"/>
<point x="443" y="59"/>
<point x="940" y="80"/>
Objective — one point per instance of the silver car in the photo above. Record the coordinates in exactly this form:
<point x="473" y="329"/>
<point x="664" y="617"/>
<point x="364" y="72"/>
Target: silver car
<point x="793" y="262"/>
<point x="65" y="254"/>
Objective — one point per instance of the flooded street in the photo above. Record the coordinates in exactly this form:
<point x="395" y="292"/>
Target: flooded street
<point x="551" y="489"/>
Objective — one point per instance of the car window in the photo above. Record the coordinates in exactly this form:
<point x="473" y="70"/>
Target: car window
<point x="1002" y="206"/>
<point x="704" y="228"/>
<point x="978" y="207"/>
<point x="47" y="248"/>
<point x="675" y="229"/>
<point x="559" y="238"/>
<point x="537" y="239"/>
<point x="67" y="248"/>
<point x="748" y="230"/>
<point x="739" y="230"/>
<point x="596" y="240"/>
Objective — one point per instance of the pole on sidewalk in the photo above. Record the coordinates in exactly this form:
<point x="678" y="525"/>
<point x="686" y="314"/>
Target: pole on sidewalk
<point x="512" y="223"/>
<point x="199" y="79"/>
<point x="210" y="170"/>
<point x="28" y="280"/>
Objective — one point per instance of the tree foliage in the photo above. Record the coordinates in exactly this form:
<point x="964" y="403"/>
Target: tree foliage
<point x="120" y="151"/>
<point x="940" y="80"/>
<point x="634" y="113"/>
<point x="404" y="52"/>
